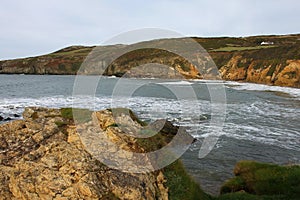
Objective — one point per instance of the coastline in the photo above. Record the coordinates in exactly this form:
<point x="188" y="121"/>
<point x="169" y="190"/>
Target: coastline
<point x="154" y="78"/>
<point x="276" y="65"/>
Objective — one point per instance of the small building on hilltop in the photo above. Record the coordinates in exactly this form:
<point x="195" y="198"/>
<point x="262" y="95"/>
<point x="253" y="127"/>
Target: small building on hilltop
<point x="266" y="43"/>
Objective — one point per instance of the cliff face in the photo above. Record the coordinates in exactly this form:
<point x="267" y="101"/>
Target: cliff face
<point x="42" y="157"/>
<point x="270" y="60"/>
<point x="287" y="74"/>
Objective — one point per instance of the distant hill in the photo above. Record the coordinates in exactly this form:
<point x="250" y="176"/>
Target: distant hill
<point x="273" y="60"/>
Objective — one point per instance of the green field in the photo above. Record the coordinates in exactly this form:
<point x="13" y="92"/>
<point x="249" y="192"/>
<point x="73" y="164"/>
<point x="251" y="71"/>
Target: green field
<point x="235" y="48"/>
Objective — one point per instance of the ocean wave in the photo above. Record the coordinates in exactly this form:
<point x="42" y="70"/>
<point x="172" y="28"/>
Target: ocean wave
<point x="251" y="120"/>
<point x="295" y="92"/>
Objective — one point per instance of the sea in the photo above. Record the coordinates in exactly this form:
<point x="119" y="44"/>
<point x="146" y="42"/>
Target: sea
<point x="260" y="122"/>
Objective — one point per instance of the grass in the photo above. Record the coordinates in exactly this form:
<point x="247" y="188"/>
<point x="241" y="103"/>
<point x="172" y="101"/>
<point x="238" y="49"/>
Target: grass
<point x="271" y="182"/>
<point x="60" y="123"/>
<point x="247" y="196"/>
<point x="265" y="180"/>
<point x="181" y="185"/>
<point x="236" y="48"/>
<point x="77" y="114"/>
<point x="233" y="185"/>
<point x="69" y="51"/>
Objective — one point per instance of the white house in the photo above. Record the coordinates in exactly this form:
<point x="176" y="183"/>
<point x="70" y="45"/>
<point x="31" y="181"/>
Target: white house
<point x="266" y="43"/>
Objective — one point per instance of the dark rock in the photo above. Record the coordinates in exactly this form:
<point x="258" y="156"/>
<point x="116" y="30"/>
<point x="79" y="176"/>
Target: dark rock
<point x="16" y="115"/>
<point x="7" y="119"/>
<point x="1" y="118"/>
<point x="164" y="126"/>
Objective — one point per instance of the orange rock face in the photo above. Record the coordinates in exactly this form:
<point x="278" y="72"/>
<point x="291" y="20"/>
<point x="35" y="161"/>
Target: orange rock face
<point x="290" y="75"/>
<point x="273" y="74"/>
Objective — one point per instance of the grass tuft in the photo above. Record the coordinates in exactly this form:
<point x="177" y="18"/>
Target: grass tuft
<point x="77" y="114"/>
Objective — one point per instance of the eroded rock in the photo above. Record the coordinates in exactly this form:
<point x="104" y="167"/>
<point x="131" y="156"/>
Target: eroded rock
<point x="43" y="157"/>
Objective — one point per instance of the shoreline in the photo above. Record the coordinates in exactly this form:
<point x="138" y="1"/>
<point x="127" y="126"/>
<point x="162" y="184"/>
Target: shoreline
<point x="153" y="78"/>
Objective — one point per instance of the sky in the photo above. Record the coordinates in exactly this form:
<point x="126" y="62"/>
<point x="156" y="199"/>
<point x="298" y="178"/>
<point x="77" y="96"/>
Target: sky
<point x="35" y="27"/>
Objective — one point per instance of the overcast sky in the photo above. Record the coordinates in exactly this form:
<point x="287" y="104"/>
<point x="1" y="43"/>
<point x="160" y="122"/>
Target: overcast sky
<point x="34" y="27"/>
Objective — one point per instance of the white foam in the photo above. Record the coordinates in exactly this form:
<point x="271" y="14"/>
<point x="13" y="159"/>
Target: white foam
<point x="111" y="76"/>
<point x="295" y="92"/>
<point x="207" y="81"/>
<point x="176" y="83"/>
<point x="186" y="113"/>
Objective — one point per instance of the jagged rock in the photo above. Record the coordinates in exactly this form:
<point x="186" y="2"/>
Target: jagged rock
<point x="43" y="157"/>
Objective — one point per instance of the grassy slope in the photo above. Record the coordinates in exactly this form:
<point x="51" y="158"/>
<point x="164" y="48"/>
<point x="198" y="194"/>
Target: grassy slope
<point x="263" y="181"/>
<point x="68" y="60"/>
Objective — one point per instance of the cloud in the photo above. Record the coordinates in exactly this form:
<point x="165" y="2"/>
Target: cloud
<point x="35" y="27"/>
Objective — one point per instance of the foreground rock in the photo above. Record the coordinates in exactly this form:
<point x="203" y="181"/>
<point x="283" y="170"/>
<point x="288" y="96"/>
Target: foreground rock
<point x="42" y="160"/>
<point x="43" y="157"/>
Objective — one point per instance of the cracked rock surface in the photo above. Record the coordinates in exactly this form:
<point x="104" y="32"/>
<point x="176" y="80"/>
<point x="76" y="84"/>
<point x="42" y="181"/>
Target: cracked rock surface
<point x="43" y="157"/>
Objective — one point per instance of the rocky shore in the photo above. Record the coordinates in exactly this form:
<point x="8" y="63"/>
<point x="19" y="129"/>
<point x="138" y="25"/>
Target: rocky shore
<point x="43" y="156"/>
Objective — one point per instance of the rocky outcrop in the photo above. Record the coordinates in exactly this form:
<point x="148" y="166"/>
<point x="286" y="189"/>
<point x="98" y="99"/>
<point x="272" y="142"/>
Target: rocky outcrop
<point x="289" y="75"/>
<point x="43" y="157"/>
<point x="249" y="70"/>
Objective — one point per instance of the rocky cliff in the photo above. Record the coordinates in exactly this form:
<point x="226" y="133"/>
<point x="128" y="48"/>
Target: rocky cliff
<point x="43" y="157"/>
<point x="273" y="60"/>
